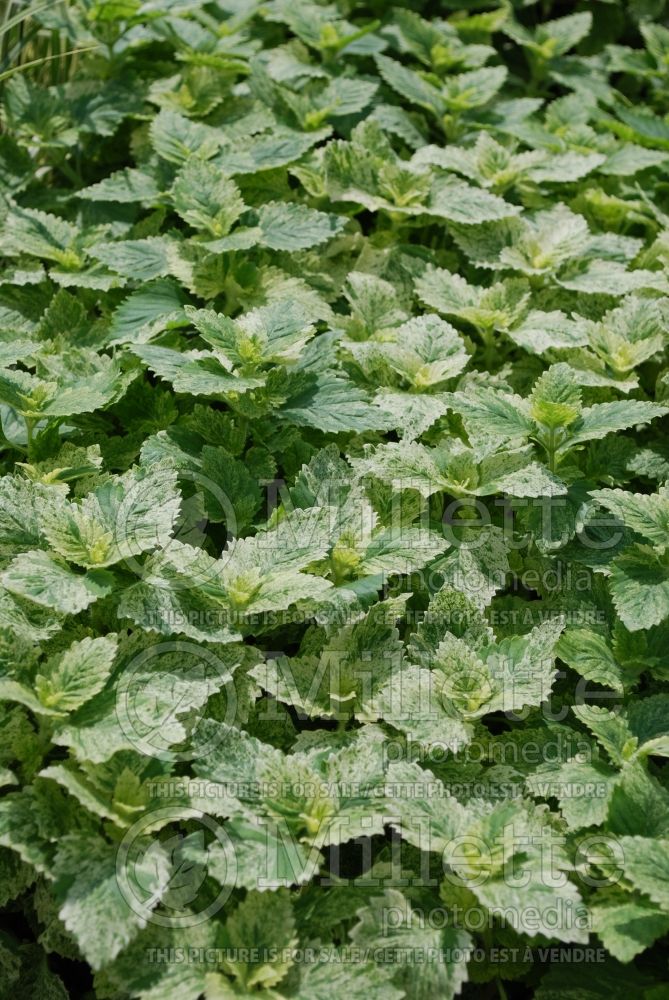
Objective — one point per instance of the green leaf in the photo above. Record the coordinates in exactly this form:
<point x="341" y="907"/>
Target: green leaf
<point x="268" y="150"/>
<point x="265" y="923"/>
<point x="22" y="502"/>
<point x="140" y="259"/>
<point x="405" y="932"/>
<point x="647" y="515"/>
<point x="491" y="417"/>
<point x="46" y="580"/>
<point x="39" y="234"/>
<point x="647" y="869"/>
<point x="122" y="518"/>
<point x="474" y="89"/>
<point x="589" y="653"/>
<point x="282" y="226"/>
<point x="277" y="332"/>
<point x="72" y="678"/>
<point x="147" y="312"/>
<point x="128" y="185"/>
<point x="176" y="138"/>
<point x="205" y="198"/>
<point x="603" y="418"/>
<point x="91" y="904"/>
<point x="411" y="85"/>
<point x="460" y="203"/>
<point x="333" y="404"/>
<point x="628" y="924"/>
<point x="640" y="588"/>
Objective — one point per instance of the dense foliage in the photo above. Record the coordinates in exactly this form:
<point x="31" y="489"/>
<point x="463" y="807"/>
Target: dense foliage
<point x="334" y="552"/>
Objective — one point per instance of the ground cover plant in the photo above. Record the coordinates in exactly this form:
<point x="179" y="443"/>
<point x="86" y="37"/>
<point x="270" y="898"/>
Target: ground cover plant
<point x="334" y="551"/>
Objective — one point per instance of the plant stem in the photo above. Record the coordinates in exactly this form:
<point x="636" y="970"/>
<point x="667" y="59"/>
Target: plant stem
<point x="71" y="173"/>
<point x="550" y="448"/>
<point x="30" y="424"/>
